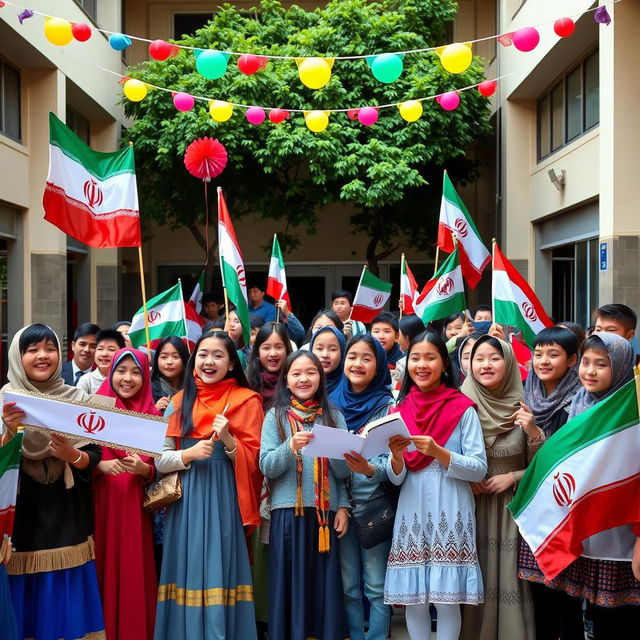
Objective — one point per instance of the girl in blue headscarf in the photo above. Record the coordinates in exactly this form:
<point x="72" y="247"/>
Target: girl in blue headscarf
<point x="363" y="394"/>
<point x="329" y="345"/>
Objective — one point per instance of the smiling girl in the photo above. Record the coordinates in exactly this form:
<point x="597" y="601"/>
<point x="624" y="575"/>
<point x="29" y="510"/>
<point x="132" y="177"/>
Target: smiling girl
<point x="495" y="386"/>
<point x="308" y="509"/>
<point x="123" y="530"/>
<point x="433" y="554"/>
<point x="329" y="345"/>
<point x="606" y="365"/>
<point x="51" y="571"/>
<point x="213" y="439"/>
<point x="167" y="375"/>
<point x="363" y="395"/>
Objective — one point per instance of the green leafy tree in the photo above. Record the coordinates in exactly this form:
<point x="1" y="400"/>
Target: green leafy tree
<point x="286" y="172"/>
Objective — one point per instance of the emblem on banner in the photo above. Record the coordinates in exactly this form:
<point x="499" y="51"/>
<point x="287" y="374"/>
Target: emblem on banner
<point x="462" y="228"/>
<point x="378" y="299"/>
<point x="90" y="422"/>
<point x="529" y="311"/>
<point x="444" y="286"/>
<point x="93" y="193"/>
<point x="154" y="316"/>
<point x="241" y="275"/>
<point x="563" y="489"/>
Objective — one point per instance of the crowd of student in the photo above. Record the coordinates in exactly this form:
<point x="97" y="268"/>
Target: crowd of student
<point x="262" y="542"/>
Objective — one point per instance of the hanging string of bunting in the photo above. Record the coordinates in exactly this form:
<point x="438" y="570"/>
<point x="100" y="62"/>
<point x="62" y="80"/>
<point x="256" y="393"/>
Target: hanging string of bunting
<point x="314" y="72"/>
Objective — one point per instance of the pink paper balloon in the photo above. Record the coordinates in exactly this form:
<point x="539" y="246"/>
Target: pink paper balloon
<point x="526" y="39"/>
<point x="255" y="115"/>
<point x="368" y="116"/>
<point x="449" y="101"/>
<point x="183" y="101"/>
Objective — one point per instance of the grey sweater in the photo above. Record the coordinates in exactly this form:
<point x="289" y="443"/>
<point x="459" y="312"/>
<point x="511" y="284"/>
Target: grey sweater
<point x="278" y="464"/>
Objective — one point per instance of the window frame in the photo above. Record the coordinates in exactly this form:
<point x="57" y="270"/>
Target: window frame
<point x="562" y="82"/>
<point x="3" y="110"/>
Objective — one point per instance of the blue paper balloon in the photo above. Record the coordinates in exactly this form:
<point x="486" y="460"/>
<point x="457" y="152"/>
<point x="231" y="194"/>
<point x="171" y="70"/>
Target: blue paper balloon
<point x="119" y="41"/>
<point x="211" y="64"/>
<point x="387" y="67"/>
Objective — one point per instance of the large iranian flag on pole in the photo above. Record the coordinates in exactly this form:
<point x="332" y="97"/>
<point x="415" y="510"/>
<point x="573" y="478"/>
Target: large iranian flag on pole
<point x="277" y="281"/>
<point x="444" y="293"/>
<point x="408" y="287"/>
<point x="514" y="302"/>
<point x="165" y="315"/>
<point x="9" y="471"/>
<point x="234" y="278"/>
<point x="585" y="479"/>
<point x="455" y="218"/>
<point x="91" y="196"/>
<point x="371" y="296"/>
<point x="195" y="299"/>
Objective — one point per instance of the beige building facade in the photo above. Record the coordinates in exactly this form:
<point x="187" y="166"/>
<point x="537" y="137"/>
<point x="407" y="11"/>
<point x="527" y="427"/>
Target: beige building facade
<point x="568" y="135"/>
<point x="47" y="276"/>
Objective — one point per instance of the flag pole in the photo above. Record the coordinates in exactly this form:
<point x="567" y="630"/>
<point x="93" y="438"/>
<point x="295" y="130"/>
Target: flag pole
<point x="493" y="259"/>
<point x="144" y="301"/>
<point x="275" y="236"/>
<point x="435" y="266"/>
<point x="184" y="316"/>
<point x="402" y="263"/>
<point x="226" y="310"/>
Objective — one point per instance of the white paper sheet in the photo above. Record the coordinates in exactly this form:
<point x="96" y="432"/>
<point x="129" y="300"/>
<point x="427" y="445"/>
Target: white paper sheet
<point x="376" y="439"/>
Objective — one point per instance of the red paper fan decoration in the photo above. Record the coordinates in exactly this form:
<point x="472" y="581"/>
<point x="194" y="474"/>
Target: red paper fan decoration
<point x="205" y="158"/>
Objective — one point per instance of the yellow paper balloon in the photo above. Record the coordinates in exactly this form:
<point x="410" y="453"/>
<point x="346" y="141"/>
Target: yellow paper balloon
<point x="58" y="31"/>
<point x="456" y="57"/>
<point x="410" y="110"/>
<point x="317" y="121"/>
<point x="314" y="72"/>
<point x="135" y="90"/>
<point x="220" y="110"/>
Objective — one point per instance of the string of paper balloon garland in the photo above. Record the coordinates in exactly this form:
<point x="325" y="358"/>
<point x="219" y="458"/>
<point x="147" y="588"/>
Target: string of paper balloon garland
<point x="315" y="71"/>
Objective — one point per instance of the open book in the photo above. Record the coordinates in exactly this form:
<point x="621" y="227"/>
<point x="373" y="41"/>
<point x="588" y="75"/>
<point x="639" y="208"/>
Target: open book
<point x="329" y="442"/>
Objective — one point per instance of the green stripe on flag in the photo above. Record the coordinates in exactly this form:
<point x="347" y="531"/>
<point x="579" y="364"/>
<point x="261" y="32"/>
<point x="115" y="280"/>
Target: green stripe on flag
<point x="100" y="165"/>
<point x="372" y="282"/>
<point x="445" y="308"/>
<point x="10" y="454"/>
<point x="614" y="414"/>
<point x="235" y="295"/>
<point x="508" y="313"/>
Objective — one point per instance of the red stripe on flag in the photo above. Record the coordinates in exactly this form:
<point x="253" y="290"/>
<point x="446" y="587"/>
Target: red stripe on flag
<point x="364" y="314"/>
<point x="119" y="229"/>
<point x="606" y="507"/>
<point x="501" y="263"/>
<point x="274" y="289"/>
<point x="7" y="516"/>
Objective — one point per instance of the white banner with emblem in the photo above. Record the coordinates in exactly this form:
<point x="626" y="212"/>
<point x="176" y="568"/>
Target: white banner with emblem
<point x="110" y="427"/>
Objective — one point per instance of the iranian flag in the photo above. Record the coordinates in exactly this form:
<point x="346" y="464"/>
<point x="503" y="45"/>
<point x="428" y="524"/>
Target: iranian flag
<point x="444" y="293"/>
<point x="277" y="281"/>
<point x="454" y="218"/>
<point x="194" y="323"/>
<point x="165" y="315"/>
<point x="514" y="302"/>
<point x="585" y="479"/>
<point x="371" y="296"/>
<point x="232" y="267"/>
<point x="91" y="196"/>
<point x="9" y="471"/>
<point x="196" y="295"/>
<point x="408" y="287"/>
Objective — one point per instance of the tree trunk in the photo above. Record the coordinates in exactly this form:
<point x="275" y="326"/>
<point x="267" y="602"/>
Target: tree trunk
<point x="372" y="257"/>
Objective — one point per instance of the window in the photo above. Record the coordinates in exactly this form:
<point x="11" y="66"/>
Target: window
<point x="78" y="124"/>
<point x="9" y="100"/>
<point x="89" y="6"/>
<point x="189" y="23"/>
<point x="569" y="108"/>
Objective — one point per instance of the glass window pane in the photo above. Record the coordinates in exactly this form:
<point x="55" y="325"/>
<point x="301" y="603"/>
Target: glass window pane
<point x="11" y="102"/>
<point x="574" y="104"/>
<point x="557" y="117"/>
<point x="543" y="128"/>
<point x="592" y="91"/>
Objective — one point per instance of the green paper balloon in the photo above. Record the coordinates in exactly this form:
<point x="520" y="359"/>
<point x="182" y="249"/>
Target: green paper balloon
<point x="211" y="64"/>
<point x="387" y="67"/>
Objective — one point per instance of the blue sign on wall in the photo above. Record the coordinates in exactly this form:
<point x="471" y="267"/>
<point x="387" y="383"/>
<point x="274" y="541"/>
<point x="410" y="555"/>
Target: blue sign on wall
<point x="603" y="256"/>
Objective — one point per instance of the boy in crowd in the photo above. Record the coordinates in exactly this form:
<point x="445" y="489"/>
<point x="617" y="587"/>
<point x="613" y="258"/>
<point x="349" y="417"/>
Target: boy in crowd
<point x="258" y="306"/>
<point x="619" y="319"/>
<point x="341" y="302"/>
<point x="108" y="341"/>
<point x="384" y="328"/>
<point x="83" y="347"/>
<point x="255" y="322"/>
<point x="482" y="313"/>
<point x="211" y="307"/>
